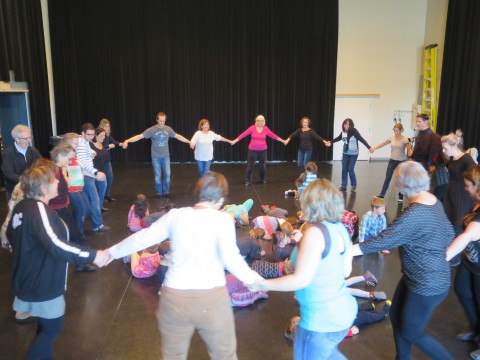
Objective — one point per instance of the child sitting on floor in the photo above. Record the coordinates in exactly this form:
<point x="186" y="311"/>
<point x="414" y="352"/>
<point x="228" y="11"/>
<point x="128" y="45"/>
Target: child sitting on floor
<point x="164" y="250"/>
<point x="249" y="243"/>
<point x="240" y="295"/>
<point x="283" y="242"/>
<point x="373" y="221"/>
<point x="146" y="264"/>
<point x="138" y="211"/>
<point x="307" y="177"/>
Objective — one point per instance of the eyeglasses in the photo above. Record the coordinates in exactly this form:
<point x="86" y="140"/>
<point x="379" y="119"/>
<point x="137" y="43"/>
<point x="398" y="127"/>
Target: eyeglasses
<point x="26" y="138"/>
<point x="90" y="134"/>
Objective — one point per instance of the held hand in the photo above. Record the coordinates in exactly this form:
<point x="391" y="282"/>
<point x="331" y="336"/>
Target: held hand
<point x="234" y="141"/>
<point x="287" y="141"/>
<point x="94" y="153"/>
<point x="327" y="143"/>
<point x="258" y="284"/>
<point x="101" y="176"/>
<point x="124" y="145"/>
<point x="372" y="150"/>
<point x="111" y="146"/>
<point x="192" y="146"/>
<point x="103" y="258"/>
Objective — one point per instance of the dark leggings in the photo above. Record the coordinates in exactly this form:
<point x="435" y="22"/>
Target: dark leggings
<point x="467" y="288"/>
<point x="42" y="345"/>
<point x="253" y="156"/>
<point x="368" y="315"/>
<point x="410" y="314"/>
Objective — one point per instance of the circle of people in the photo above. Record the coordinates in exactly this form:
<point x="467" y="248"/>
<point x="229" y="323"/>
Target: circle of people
<point x="312" y="251"/>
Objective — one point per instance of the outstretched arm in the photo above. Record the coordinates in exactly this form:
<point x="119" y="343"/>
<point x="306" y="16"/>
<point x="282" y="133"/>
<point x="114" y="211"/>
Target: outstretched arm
<point x="133" y="139"/>
<point x="379" y="146"/>
<point x="185" y="140"/>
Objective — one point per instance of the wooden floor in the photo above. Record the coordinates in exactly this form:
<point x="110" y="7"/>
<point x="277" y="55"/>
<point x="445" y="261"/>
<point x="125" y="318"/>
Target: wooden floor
<point x="112" y="316"/>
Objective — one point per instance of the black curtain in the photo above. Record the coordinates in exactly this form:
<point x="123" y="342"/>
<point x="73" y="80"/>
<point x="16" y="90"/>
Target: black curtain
<point x="459" y="105"/>
<point x="225" y="60"/>
<point x="22" y="50"/>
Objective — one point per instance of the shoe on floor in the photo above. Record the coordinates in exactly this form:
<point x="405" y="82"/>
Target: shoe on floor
<point x="475" y="355"/>
<point x="342" y="189"/>
<point x="102" y="228"/>
<point x="104" y="209"/>
<point x="247" y="184"/>
<point x="110" y="199"/>
<point x="353" y="189"/>
<point x="85" y="268"/>
<point x="466" y="336"/>
<point x="370" y="279"/>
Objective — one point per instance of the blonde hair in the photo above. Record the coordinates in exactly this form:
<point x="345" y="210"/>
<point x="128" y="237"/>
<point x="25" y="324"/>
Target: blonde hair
<point x="321" y="201"/>
<point x="453" y="140"/>
<point x="103" y="122"/>
<point x="68" y="137"/>
<point x="287" y="228"/>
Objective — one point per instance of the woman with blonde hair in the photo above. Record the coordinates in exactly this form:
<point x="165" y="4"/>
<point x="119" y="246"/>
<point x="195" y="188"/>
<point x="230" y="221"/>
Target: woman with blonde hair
<point x="322" y="262"/>
<point x="202" y="142"/>
<point x="457" y="201"/>
<point x="257" y="148"/>
<point x="399" y="152"/>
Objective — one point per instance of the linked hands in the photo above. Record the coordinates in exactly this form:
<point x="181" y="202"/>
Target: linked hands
<point x="327" y="143"/>
<point x="233" y="142"/>
<point x="258" y="284"/>
<point x="103" y="258"/>
<point x="372" y="149"/>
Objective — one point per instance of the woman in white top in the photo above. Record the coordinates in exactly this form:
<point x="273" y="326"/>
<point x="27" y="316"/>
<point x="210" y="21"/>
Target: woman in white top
<point x="194" y="295"/>
<point x="398" y="143"/>
<point x="203" y="145"/>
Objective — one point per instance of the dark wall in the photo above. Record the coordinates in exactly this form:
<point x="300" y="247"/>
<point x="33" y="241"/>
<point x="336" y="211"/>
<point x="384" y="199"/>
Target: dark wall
<point x="224" y="60"/>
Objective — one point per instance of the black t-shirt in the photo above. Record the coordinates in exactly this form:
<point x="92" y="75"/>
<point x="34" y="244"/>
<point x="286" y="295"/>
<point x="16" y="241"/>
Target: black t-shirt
<point x="471" y="256"/>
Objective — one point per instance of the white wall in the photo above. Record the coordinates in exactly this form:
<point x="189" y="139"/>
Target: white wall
<point x="380" y="51"/>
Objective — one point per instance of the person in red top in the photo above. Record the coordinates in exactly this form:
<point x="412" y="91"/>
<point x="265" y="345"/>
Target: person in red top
<point x="257" y="149"/>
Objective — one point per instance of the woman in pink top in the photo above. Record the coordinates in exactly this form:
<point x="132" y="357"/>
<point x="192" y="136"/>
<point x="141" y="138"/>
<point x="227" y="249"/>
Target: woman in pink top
<point x="257" y="149"/>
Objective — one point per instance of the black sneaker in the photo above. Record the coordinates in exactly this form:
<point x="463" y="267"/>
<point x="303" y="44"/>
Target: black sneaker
<point x="342" y="189"/>
<point x="110" y="199"/>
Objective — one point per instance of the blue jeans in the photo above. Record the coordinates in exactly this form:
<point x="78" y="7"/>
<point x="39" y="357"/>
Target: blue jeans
<point x="101" y="187"/>
<point x="81" y="207"/>
<point x="303" y="157"/>
<point x="312" y="345"/>
<point x="109" y="173"/>
<point x="348" y="168"/>
<point x="95" y="211"/>
<point x="203" y="167"/>
<point x="410" y="313"/>
<point x="161" y="165"/>
<point x="392" y="165"/>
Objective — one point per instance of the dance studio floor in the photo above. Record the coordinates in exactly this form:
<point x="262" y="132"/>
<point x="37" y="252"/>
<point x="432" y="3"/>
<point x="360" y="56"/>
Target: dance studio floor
<point x="111" y="316"/>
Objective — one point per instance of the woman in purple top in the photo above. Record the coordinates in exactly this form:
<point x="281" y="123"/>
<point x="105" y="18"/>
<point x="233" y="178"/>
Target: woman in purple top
<point x="257" y="149"/>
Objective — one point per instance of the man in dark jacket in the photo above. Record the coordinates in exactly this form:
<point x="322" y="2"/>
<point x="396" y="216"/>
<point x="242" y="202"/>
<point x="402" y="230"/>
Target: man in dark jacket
<point x="18" y="157"/>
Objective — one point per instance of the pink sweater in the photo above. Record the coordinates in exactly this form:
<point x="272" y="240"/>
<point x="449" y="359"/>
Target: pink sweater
<point x="258" y="141"/>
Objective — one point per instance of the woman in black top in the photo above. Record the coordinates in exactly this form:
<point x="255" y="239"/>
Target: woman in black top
<point x="457" y="201"/>
<point x="467" y="280"/>
<point x="41" y="251"/>
<point x="307" y="135"/>
<point x="422" y="233"/>
<point x="100" y="162"/>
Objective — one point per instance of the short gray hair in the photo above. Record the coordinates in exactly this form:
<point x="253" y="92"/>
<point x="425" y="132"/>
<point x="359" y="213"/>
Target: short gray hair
<point x="321" y="201"/>
<point x="17" y="130"/>
<point x="411" y="178"/>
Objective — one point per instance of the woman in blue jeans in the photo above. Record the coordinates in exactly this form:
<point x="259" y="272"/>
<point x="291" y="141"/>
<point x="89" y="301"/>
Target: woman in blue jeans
<point x="350" y="137"/>
<point x="399" y="144"/>
<point x="307" y="135"/>
<point x="422" y="233"/>
<point x="323" y="261"/>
